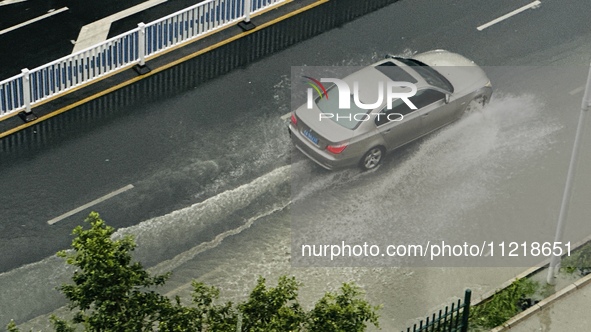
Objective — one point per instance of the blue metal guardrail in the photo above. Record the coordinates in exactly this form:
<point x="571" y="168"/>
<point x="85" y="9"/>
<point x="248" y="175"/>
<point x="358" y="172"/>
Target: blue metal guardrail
<point x="30" y="87"/>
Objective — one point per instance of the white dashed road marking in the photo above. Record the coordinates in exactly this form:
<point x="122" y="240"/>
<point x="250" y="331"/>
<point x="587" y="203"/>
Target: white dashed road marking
<point x="10" y="2"/>
<point x="577" y="90"/>
<point x="87" y="205"/>
<point x="38" y="18"/>
<point x="506" y="16"/>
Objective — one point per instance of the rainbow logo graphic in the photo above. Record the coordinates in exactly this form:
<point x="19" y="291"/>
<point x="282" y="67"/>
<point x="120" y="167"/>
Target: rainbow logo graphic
<point x="316" y="85"/>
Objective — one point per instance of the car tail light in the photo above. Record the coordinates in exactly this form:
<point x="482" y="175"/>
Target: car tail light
<point x="336" y="149"/>
<point x="294" y="120"/>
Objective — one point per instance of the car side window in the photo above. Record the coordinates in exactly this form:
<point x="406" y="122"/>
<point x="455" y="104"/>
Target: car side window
<point x="423" y="98"/>
<point x="386" y="115"/>
<point x="426" y="97"/>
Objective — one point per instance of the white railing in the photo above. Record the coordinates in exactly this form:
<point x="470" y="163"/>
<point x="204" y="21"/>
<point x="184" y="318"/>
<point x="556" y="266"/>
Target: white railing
<point x="24" y="90"/>
<point x="84" y="66"/>
<point x="11" y="94"/>
<point x="207" y="16"/>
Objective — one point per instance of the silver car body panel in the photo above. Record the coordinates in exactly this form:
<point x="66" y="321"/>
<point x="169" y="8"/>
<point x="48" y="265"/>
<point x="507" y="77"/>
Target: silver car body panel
<point x="468" y="80"/>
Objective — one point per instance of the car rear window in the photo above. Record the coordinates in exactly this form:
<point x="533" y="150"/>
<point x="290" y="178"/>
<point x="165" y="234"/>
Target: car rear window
<point x="395" y="73"/>
<point x="344" y="117"/>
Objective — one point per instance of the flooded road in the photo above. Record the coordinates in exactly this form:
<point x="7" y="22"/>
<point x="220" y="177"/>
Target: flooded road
<point x="213" y="200"/>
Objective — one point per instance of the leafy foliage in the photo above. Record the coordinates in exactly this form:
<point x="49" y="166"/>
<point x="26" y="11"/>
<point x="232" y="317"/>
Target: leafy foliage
<point x="503" y="305"/>
<point x="344" y="312"/>
<point x="204" y="315"/>
<point x="112" y="293"/>
<point x="579" y="260"/>
<point x="273" y="309"/>
<point x="12" y="327"/>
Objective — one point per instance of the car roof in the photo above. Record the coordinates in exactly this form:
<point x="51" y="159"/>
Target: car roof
<point x="385" y="70"/>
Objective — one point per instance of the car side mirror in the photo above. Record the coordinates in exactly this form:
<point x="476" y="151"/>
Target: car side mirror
<point x="447" y="98"/>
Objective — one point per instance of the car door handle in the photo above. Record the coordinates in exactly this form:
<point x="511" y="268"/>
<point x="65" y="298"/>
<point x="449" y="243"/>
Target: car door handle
<point x="425" y="115"/>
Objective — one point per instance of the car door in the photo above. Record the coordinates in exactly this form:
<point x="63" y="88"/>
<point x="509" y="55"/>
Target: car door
<point x="396" y="131"/>
<point x="434" y="111"/>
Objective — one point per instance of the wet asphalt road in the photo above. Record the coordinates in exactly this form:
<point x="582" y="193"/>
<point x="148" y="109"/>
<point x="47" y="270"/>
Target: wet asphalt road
<point x="143" y="138"/>
<point x="195" y="144"/>
<point x="151" y="137"/>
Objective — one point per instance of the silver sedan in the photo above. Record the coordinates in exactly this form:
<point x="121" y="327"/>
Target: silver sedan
<point x="443" y="86"/>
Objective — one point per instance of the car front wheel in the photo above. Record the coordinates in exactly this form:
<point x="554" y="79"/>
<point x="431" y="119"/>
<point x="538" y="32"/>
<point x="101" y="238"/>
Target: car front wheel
<point x="475" y="105"/>
<point x="372" y="158"/>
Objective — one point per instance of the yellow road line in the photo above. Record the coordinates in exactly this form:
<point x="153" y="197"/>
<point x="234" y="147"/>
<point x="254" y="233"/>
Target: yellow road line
<point x="156" y="70"/>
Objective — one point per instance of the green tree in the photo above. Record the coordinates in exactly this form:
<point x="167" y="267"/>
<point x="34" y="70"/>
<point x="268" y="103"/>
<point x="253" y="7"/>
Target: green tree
<point x="344" y="312"/>
<point x="273" y="309"/>
<point x="111" y="293"/>
<point x="204" y="315"/>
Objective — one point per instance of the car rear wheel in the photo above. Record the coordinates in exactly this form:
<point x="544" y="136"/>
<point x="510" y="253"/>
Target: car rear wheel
<point x="372" y="158"/>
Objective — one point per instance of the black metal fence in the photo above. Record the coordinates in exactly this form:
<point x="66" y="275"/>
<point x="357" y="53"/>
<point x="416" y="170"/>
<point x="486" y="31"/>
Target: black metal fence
<point x="450" y="319"/>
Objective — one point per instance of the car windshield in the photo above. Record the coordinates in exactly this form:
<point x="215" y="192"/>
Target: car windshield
<point x="344" y="117"/>
<point x="430" y="75"/>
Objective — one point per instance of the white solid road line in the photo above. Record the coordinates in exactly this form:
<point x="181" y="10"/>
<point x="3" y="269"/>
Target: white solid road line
<point x="577" y="90"/>
<point x="97" y="31"/>
<point x="87" y="205"/>
<point x="285" y="116"/>
<point x="506" y="16"/>
<point x="39" y="18"/>
<point x="10" y="2"/>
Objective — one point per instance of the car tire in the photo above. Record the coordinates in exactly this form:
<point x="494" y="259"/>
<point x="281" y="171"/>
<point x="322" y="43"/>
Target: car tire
<point x="475" y="105"/>
<point x="372" y="158"/>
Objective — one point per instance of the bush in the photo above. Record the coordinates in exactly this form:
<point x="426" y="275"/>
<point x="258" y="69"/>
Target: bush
<point x="503" y="305"/>
<point x="579" y="260"/>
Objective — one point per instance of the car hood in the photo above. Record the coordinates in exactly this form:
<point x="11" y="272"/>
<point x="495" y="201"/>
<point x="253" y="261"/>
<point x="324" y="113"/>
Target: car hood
<point x="462" y="72"/>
